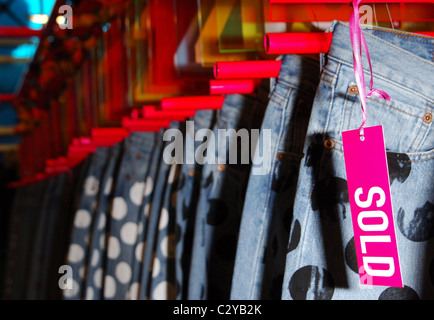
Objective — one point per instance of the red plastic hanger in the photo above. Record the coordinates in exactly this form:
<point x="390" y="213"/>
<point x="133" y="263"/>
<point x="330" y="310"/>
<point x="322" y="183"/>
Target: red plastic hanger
<point x="105" y="137"/>
<point x="192" y="102"/>
<point x="303" y="42"/>
<point x="155" y="113"/>
<point x="240" y="86"/>
<point x="246" y="69"/>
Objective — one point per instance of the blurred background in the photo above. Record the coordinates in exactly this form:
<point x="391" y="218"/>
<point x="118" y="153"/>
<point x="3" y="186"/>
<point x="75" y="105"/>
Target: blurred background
<point x="61" y="76"/>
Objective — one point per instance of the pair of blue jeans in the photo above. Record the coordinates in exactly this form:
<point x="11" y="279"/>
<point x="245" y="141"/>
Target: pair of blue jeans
<point x="124" y="218"/>
<point x="78" y="253"/>
<point x="321" y="260"/>
<point x="140" y="245"/>
<point x="157" y="212"/>
<point x="97" y="245"/>
<point x="22" y="233"/>
<point x="187" y="196"/>
<point x="267" y="212"/>
<point x="49" y="248"/>
<point x="223" y="187"/>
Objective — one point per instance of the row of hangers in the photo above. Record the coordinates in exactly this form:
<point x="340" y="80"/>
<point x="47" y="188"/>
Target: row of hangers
<point x="230" y="77"/>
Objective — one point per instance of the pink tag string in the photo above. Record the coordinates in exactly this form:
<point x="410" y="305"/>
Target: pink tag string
<point x="358" y="42"/>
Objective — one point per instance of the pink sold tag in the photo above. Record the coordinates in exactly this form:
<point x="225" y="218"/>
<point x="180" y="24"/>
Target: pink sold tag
<point x="371" y="207"/>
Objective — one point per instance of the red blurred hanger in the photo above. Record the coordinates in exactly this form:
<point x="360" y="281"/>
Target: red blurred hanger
<point x="155" y="113"/>
<point x="192" y="102"/>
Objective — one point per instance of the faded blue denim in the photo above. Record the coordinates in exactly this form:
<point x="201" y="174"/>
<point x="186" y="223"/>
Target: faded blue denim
<point x="221" y="201"/>
<point x="78" y="253"/>
<point x="264" y="230"/>
<point x="154" y="219"/>
<point x="187" y="196"/>
<point x="321" y="259"/>
<point x="97" y="246"/>
<point x="125" y="213"/>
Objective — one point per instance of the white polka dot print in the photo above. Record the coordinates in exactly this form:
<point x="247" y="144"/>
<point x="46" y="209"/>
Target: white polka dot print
<point x="129" y="233"/>
<point x="114" y="248"/>
<point x="102" y="221"/>
<point x="139" y="251"/>
<point x="95" y="258"/>
<point x="149" y="186"/>
<point x="164" y="246"/>
<point x="156" y="268"/>
<point x="82" y="219"/>
<point x="133" y="292"/>
<point x="108" y="186"/>
<point x="75" y="254"/>
<point x="172" y="173"/>
<point x="97" y="278"/>
<point x="160" y="291"/>
<point x="123" y="272"/>
<point x="70" y="293"/>
<point x="136" y="193"/>
<point x="164" y="219"/>
<point x="90" y="294"/>
<point x="91" y="186"/>
<point x="109" y="287"/>
<point x="119" y="209"/>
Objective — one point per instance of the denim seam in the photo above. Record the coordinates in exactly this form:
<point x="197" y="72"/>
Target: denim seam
<point x="332" y="98"/>
<point x="258" y="246"/>
<point x="270" y="181"/>
<point x="291" y="87"/>
<point x="425" y="133"/>
<point x="346" y="108"/>
<point x="415" y="138"/>
<point x="413" y="91"/>
<point x="413" y="37"/>
<point x="392" y="107"/>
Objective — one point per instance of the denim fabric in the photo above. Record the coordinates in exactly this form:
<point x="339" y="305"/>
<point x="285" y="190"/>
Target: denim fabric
<point x="78" y="253"/>
<point x="125" y="212"/>
<point x="27" y="234"/>
<point x="140" y="247"/>
<point x="187" y="196"/>
<point x="163" y="282"/>
<point x="321" y="259"/>
<point x="223" y="188"/>
<point x="38" y="251"/>
<point x="97" y="251"/>
<point x="42" y="240"/>
<point x="61" y="232"/>
<point x="264" y="230"/>
<point x="152" y="229"/>
<point x="22" y="232"/>
<point x="48" y="248"/>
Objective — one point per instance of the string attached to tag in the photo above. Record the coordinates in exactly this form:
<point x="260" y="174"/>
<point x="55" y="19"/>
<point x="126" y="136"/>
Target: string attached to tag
<point x="367" y="174"/>
<point x="358" y="42"/>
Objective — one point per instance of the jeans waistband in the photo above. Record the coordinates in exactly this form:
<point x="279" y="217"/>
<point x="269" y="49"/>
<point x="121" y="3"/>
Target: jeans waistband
<point x="203" y="119"/>
<point x="100" y="155"/>
<point x="399" y="56"/>
<point x="300" y="72"/>
<point x="237" y="110"/>
<point x="141" y="140"/>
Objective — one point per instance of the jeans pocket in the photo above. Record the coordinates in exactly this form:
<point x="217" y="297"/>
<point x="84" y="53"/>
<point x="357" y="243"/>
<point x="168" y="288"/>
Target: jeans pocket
<point x="406" y="121"/>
